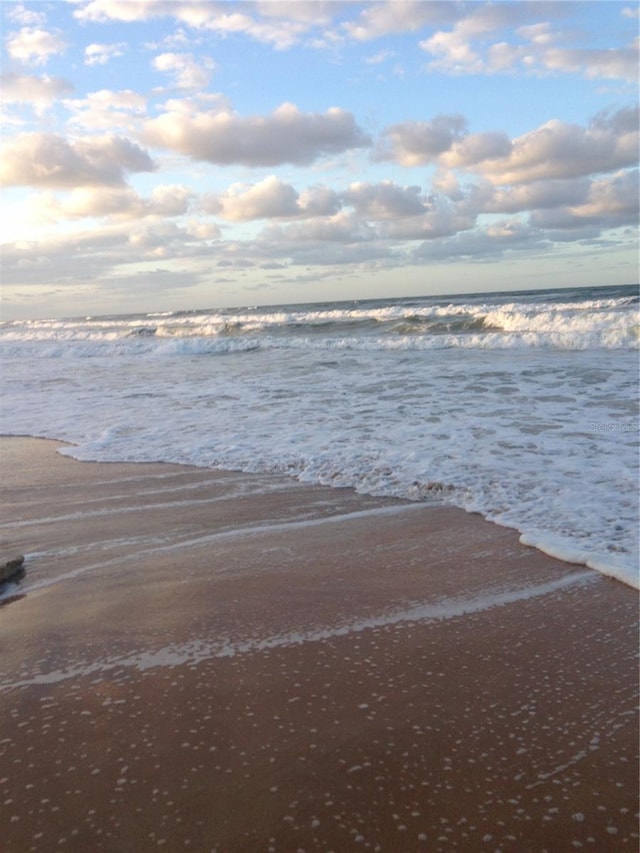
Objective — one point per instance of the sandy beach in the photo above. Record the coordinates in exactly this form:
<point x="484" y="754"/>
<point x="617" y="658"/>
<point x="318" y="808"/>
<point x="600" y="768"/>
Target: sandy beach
<point x="217" y="661"/>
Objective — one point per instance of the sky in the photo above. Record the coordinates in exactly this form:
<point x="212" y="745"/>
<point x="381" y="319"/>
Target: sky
<point x="182" y="155"/>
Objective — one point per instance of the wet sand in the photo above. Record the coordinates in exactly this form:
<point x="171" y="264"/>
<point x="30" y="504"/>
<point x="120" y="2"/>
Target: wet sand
<point x="208" y="661"/>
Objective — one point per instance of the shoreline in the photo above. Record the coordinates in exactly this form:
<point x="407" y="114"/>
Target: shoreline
<point x="215" y="660"/>
<point x="563" y="552"/>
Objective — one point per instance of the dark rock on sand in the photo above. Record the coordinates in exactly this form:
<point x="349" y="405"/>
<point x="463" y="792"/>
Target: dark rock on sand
<point x="12" y="570"/>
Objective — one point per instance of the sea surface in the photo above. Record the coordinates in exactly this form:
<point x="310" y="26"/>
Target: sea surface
<point x="521" y="406"/>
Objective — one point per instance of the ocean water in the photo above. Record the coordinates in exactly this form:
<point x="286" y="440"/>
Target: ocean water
<point x="520" y="406"/>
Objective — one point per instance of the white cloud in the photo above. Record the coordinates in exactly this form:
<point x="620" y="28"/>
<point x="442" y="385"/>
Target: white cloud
<point x="385" y="200"/>
<point x="112" y="202"/>
<point x="91" y="253"/>
<point x="282" y="35"/>
<point x="107" y="110"/>
<point x="559" y="150"/>
<point x="177" y="38"/>
<point x="342" y="227"/>
<point x="557" y="182"/>
<point x="24" y="88"/>
<point x="169" y="200"/>
<point x="476" y="148"/>
<point x="541" y="60"/>
<point x="555" y="150"/>
<point x="380" y="57"/>
<point x="129" y="11"/>
<point x="541" y="33"/>
<point x="84" y="203"/>
<point x="319" y="201"/>
<point x="541" y="195"/>
<point x="309" y="11"/>
<point x="188" y="72"/>
<point x="286" y="136"/>
<point x="399" y="16"/>
<point x="460" y="50"/>
<point x="271" y="198"/>
<point x="455" y="53"/>
<point x="34" y="46"/>
<point x="196" y="103"/>
<point x="440" y="219"/>
<point x="293" y="19"/>
<point x="47" y="160"/>
<point x="470" y="47"/>
<point x="100" y="54"/>
<point x="413" y="143"/>
<point x="27" y="17"/>
<point x="610" y="202"/>
<point x="491" y="242"/>
<point x="610" y="64"/>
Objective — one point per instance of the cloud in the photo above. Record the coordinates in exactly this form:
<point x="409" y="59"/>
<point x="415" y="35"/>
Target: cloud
<point x="340" y="240"/>
<point x="385" y="200"/>
<point x="559" y="150"/>
<point x="605" y="64"/>
<point x="309" y="11"/>
<point x="492" y="242"/>
<point x="461" y="49"/>
<point x="440" y="218"/>
<point x="24" y="88"/>
<point x="286" y="136"/>
<point x="92" y="253"/>
<point x="47" y="160"/>
<point x="398" y="16"/>
<point x="189" y="73"/>
<point x="271" y="198"/>
<point x="28" y="17"/>
<point x="34" y="46"/>
<point x="67" y="259"/>
<point x="293" y="20"/>
<point x="106" y="109"/>
<point x="413" y="143"/>
<point x="169" y="200"/>
<point x="319" y="201"/>
<point x="128" y="11"/>
<point x="474" y="46"/>
<point x="541" y="195"/>
<point x="100" y="54"/>
<point x="113" y="203"/>
<point x="477" y="148"/>
<point x="282" y="35"/>
<point x="475" y="43"/>
<point x="343" y="227"/>
<point x="555" y="150"/>
<point x="610" y="202"/>
<point x="609" y="64"/>
<point x="380" y="57"/>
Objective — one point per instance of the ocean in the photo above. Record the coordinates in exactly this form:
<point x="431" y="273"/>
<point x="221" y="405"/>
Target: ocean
<point x="520" y="406"/>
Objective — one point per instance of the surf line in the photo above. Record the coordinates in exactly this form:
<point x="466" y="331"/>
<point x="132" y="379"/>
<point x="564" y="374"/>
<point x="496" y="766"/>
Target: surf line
<point x="200" y="650"/>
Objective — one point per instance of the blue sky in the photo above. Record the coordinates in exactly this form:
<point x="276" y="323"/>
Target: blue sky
<point x="173" y="155"/>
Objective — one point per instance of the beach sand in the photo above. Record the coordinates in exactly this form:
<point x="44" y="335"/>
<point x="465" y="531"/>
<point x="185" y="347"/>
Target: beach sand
<point x="201" y="660"/>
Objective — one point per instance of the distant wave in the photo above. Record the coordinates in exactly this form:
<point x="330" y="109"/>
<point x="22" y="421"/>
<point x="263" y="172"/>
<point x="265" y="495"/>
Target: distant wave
<point x="520" y="406"/>
<point x="611" y="323"/>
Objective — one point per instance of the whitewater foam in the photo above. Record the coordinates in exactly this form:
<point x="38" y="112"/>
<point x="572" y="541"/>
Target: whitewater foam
<point x="197" y="651"/>
<point x="529" y="415"/>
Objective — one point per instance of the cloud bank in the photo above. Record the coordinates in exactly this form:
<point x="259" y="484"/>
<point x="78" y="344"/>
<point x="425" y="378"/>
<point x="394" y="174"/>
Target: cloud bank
<point x="186" y="163"/>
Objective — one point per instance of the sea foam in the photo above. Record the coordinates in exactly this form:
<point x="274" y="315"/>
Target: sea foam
<point x="523" y="408"/>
